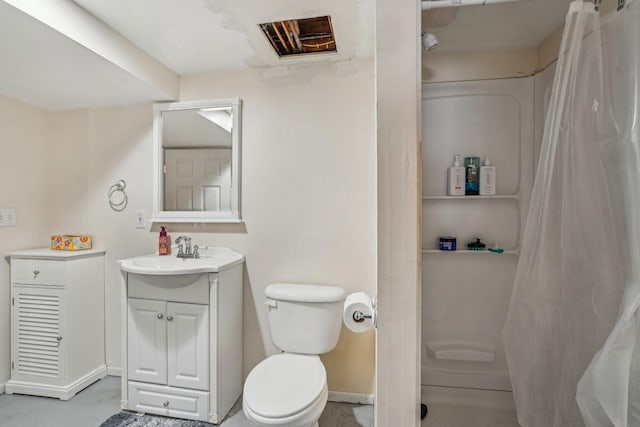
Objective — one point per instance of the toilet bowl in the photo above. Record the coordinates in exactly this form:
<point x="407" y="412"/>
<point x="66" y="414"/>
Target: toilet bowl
<point x="286" y="390"/>
<point x="290" y="389"/>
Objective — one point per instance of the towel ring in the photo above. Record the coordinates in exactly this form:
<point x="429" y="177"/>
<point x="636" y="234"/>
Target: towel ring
<point x="117" y="196"/>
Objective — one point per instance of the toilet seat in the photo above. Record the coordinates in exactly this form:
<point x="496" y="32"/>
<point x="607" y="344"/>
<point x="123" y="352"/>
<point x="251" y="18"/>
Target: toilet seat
<point x="285" y="389"/>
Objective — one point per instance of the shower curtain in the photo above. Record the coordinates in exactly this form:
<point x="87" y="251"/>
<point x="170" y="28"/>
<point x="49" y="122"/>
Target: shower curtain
<point x="572" y="333"/>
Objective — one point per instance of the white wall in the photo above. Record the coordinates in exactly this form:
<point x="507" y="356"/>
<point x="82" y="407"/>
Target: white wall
<point x="308" y="194"/>
<point x="25" y="171"/>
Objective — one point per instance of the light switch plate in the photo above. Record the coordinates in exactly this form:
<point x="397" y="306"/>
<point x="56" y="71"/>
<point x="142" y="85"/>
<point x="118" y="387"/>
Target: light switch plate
<point x="141" y="221"/>
<point x="7" y="217"/>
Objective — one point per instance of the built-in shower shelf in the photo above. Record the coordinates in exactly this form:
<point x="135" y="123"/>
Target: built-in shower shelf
<point x="496" y="197"/>
<point x="459" y="252"/>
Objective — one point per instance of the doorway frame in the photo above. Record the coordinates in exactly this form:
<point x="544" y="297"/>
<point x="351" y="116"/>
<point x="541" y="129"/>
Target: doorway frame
<point x="398" y="68"/>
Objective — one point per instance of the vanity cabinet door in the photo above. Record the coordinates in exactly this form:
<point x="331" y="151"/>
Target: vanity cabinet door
<point x="147" y="341"/>
<point x="188" y="345"/>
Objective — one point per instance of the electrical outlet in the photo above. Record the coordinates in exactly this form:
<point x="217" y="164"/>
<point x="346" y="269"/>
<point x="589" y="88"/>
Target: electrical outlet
<point x="141" y="221"/>
<point x="7" y="217"/>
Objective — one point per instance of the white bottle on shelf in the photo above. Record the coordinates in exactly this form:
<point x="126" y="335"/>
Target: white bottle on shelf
<point x="487" y="178"/>
<point x="456" y="178"/>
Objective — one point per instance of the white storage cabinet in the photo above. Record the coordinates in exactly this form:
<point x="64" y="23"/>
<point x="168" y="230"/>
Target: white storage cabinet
<point x="57" y="322"/>
<point x="182" y="343"/>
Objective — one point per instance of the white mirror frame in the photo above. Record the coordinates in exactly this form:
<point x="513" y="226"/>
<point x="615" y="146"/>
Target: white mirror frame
<point x="160" y="215"/>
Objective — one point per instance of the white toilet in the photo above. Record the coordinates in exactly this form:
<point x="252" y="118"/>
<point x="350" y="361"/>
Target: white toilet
<point x="290" y="389"/>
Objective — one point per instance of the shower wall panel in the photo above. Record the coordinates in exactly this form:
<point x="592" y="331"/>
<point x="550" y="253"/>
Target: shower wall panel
<point x="465" y="294"/>
<point x="543" y="82"/>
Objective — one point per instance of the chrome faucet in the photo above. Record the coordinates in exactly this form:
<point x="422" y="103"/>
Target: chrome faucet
<point x="185" y="252"/>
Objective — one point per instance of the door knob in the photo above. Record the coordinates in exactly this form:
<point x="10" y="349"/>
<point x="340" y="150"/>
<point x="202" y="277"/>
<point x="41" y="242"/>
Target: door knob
<point x="169" y="318"/>
<point x="160" y="315"/>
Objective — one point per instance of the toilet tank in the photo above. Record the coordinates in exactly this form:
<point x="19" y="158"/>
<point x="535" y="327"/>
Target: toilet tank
<point x="305" y="318"/>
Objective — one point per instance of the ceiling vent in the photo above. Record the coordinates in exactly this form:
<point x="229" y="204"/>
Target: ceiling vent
<point x="301" y="36"/>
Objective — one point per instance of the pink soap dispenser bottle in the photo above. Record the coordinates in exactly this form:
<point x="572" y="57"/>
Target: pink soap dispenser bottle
<point x="163" y="242"/>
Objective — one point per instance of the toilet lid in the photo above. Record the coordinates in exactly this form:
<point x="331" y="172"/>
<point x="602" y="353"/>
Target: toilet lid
<point x="284" y="384"/>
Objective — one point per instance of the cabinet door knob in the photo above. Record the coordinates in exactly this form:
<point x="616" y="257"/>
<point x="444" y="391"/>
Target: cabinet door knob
<point x="169" y="318"/>
<point x="160" y="315"/>
<point x="165" y="403"/>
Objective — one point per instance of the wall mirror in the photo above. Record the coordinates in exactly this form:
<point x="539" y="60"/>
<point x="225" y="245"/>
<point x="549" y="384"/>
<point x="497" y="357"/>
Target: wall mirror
<point x="197" y="161"/>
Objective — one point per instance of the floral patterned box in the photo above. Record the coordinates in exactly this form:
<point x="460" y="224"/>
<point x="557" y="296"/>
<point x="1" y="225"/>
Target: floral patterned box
<point x="70" y="243"/>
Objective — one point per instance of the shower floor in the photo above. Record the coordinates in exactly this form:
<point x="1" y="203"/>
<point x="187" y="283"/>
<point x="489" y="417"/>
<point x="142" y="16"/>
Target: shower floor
<point x="456" y="407"/>
<point x="443" y="415"/>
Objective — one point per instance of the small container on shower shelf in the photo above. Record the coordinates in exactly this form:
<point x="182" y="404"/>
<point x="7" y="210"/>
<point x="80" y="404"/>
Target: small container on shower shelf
<point x="496" y="249"/>
<point x="472" y="167"/>
<point x="447" y="243"/>
<point x="487" y="178"/>
<point x="476" y="246"/>
<point x="456" y="178"/>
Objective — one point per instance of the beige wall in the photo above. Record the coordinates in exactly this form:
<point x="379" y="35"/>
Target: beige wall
<point x="493" y="64"/>
<point x="25" y="171"/>
<point x="69" y="215"/>
<point x="308" y="194"/>
<point x="549" y="48"/>
<point x="119" y="147"/>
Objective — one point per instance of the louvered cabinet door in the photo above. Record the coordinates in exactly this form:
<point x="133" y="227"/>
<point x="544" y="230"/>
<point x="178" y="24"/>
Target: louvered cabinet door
<point x="37" y="335"/>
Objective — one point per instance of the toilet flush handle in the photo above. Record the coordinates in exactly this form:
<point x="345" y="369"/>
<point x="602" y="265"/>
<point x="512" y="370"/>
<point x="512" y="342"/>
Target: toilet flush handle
<point x="271" y="304"/>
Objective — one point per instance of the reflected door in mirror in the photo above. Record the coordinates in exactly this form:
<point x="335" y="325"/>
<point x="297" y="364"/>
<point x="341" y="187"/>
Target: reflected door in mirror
<point x="196" y="161"/>
<point x="197" y="179"/>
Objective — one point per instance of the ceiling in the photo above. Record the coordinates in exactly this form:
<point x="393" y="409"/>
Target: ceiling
<point x="500" y="26"/>
<point x="42" y="67"/>
<point x="195" y="36"/>
<point x="66" y="54"/>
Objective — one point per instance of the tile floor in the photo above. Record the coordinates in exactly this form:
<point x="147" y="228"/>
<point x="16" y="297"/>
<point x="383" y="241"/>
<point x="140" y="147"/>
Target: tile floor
<point x="99" y="401"/>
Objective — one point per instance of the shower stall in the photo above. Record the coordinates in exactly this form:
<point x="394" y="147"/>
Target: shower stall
<point x="547" y="326"/>
<point x="465" y="292"/>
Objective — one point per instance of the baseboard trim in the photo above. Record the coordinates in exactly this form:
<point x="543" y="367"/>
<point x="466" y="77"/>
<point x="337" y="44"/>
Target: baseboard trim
<point x="60" y="392"/>
<point x="2" y="387"/>
<point x="114" y="371"/>
<point x="361" y="398"/>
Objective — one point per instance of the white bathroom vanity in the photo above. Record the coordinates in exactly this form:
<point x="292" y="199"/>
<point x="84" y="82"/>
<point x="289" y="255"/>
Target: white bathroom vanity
<point x="182" y="334"/>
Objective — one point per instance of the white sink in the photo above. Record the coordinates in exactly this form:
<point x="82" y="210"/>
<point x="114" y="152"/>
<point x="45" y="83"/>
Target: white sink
<point x="211" y="260"/>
